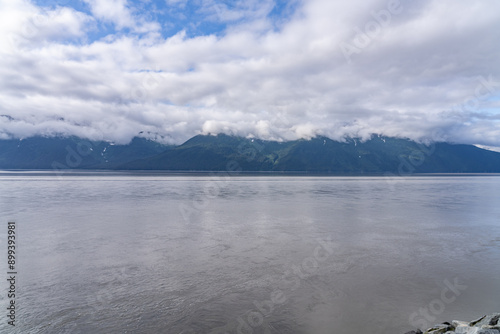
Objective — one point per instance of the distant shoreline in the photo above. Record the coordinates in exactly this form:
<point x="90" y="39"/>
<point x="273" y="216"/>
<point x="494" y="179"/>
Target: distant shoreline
<point x="75" y="172"/>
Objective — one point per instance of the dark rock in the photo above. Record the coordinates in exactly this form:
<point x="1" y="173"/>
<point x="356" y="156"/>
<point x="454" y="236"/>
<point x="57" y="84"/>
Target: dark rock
<point x="438" y="329"/>
<point x="494" y="320"/>
<point x="472" y="323"/>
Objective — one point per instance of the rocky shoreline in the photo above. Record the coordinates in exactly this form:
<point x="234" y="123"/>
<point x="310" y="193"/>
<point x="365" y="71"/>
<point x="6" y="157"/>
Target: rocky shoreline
<point x="488" y="324"/>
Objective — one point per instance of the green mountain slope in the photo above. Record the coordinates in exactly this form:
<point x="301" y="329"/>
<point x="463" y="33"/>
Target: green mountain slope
<point x="72" y="152"/>
<point x="378" y="155"/>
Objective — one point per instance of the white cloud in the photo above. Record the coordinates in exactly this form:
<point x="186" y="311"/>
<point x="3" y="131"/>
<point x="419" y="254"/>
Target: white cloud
<point x="120" y="14"/>
<point x="114" y="11"/>
<point x="24" y="25"/>
<point x="432" y="67"/>
<point x="228" y="11"/>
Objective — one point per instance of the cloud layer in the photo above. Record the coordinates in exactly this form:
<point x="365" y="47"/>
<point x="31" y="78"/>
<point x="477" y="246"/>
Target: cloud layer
<point x="110" y="69"/>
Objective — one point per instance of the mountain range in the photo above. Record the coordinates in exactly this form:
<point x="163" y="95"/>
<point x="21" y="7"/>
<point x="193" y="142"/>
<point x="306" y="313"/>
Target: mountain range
<point x="221" y="152"/>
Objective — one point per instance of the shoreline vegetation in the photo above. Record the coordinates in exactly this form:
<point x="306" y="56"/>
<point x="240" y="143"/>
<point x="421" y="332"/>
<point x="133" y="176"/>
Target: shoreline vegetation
<point x="487" y="324"/>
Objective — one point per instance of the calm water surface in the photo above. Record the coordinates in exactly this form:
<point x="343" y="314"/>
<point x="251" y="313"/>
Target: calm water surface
<point x="152" y="253"/>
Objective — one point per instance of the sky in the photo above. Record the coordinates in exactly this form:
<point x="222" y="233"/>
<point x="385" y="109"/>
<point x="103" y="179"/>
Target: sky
<point x="270" y="69"/>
